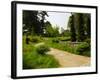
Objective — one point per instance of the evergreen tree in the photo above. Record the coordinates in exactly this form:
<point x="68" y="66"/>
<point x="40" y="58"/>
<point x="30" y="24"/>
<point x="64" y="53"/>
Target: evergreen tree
<point x="80" y="27"/>
<point x="72" y="28"/>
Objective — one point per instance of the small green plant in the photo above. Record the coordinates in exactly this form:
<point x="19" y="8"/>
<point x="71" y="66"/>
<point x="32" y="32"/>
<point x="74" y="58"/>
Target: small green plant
<point x="83" y="49"/>
<point x="42" y="49"/>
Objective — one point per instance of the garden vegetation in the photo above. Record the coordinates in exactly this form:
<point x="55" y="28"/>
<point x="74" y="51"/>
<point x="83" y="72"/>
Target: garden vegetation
<point x="36" y="30"/>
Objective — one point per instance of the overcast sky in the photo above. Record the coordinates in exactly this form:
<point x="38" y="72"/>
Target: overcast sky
<point x="58" y="18"/>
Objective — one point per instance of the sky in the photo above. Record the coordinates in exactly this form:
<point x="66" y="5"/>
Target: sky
<point x="58" y="18"/>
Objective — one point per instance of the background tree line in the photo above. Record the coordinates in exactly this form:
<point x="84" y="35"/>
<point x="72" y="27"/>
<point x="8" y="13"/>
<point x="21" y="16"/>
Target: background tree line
<point x="78" y="28"/>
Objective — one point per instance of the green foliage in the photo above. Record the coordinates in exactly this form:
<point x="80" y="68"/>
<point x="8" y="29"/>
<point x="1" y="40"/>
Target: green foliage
<point x="87" y="24"/>
<point x="55" y="40"/>
<point x="61" y="45"/>
<point x="64" y="38"/>
<point x="36" y="39"/>
<point x="65" y="33"/>
<point x="72" y="28"/>
<point x="80" y="28"/>
<point x="32" y="60"/>
<point x="33" y="22"/>
<point x="88" y="40"/>
<point x="56" y="31"/>
<point x="51" y="31"/>
<point x="69" y="46"/>
<point x="42" y="49"/>
<point x="83" y="49"/>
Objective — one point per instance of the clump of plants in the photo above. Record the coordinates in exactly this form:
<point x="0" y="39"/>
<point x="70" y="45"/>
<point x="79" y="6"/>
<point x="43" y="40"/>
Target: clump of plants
<point x="83" y="49"/>
<point x="42" y="49"/>
<point x="55" y="40"/>
<point x="36" y="39"/>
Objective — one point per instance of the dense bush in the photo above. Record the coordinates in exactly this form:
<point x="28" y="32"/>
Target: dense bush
<point x="36" y="39"/>
<point x="42" y="49"/>
<point x="88" y="40"/>
<point x="83" y="49"/>
<point x="55" y="40"/>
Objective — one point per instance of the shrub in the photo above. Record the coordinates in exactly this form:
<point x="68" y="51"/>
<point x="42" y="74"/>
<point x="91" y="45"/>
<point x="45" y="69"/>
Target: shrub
<point x="83" y="48"/>
<point x="55" y="40"/>
<point x="42" y="49"/>
<point x="88" y="40"/>
<point x="36" y="39"/>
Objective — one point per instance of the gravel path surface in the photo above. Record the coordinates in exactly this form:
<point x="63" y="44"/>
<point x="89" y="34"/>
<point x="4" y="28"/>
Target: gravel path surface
<point x="67" y="59"/>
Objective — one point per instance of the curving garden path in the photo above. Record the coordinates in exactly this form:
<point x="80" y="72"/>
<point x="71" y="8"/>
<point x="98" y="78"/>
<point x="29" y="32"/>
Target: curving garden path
<point x="67" y="59"/>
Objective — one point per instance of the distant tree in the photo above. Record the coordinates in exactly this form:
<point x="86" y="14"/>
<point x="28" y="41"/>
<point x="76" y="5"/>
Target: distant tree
<point x="51" y="31"/>
<point x="62" y="30"/>
<point x="65" y="33"/>
<point x="56" y="31"/>
<point x="47" y="23"/>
